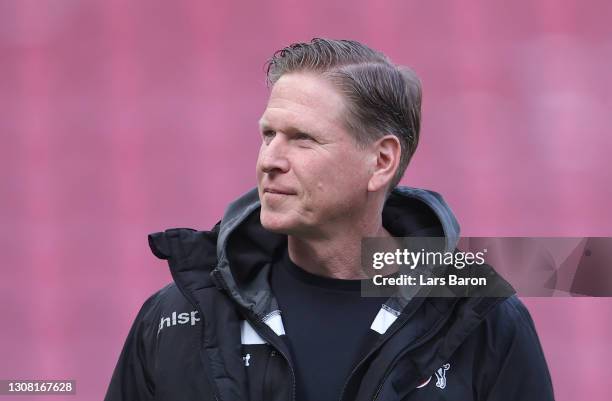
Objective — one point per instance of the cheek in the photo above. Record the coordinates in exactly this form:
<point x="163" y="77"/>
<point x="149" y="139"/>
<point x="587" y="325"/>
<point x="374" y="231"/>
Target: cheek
<point x="258" y="171"/>
<point x="329" y="185"/>
<point x="350" y="173"/>
<point x="324" y="178"/>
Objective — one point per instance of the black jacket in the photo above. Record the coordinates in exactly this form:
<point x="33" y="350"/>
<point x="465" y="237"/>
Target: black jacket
<point x="215" y="333"/>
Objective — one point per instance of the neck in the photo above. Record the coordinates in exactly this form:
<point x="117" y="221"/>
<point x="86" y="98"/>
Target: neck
<point x="337" y="255"/>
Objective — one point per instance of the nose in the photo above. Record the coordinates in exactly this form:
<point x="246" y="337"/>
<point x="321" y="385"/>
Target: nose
<point x="273" y="156"/>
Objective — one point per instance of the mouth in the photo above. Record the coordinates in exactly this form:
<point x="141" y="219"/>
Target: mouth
<point x="277" y="191"/>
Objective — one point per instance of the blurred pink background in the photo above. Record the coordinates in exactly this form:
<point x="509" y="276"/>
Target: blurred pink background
<point x="118" y="119"/>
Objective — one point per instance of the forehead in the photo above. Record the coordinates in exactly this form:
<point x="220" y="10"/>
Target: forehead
<point x="304" y="101"/>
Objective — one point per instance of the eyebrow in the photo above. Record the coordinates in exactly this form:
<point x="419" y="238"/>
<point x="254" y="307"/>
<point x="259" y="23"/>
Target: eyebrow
<point x="262" y="124"/>
<point x="291" y="128"/>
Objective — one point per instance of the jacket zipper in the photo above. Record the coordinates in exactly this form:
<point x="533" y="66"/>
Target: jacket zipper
<point x="257" y="321"/>
<point x="368" y="355"/>
<point x="264" y="327"/>
<point x="414" y="345"/>
<point x="388" y="370"/>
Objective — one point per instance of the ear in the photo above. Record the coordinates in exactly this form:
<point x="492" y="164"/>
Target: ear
<point x="387" y="151"/>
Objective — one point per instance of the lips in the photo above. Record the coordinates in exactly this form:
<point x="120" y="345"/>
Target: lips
<point x="278" y="191"/>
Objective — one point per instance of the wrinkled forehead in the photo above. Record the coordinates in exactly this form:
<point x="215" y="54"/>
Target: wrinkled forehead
<point x="301" y="99"/>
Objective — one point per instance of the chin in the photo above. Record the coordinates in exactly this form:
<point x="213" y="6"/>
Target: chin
<point x="275" y="223"/>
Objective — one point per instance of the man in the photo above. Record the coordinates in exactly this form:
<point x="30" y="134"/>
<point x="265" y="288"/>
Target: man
<point x="267" y="305"/>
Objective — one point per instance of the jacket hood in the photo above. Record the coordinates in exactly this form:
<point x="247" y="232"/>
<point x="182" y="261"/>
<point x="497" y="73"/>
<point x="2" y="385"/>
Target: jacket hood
<point x="246" y="251"/>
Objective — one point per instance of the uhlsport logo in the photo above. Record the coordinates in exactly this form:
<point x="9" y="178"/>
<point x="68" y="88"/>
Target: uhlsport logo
<point x="440" y="377"/>
<point x="180" y="318"/>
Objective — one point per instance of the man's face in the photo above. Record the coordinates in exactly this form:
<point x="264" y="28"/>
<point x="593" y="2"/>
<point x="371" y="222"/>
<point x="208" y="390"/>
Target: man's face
<point x="310" y="172"/>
